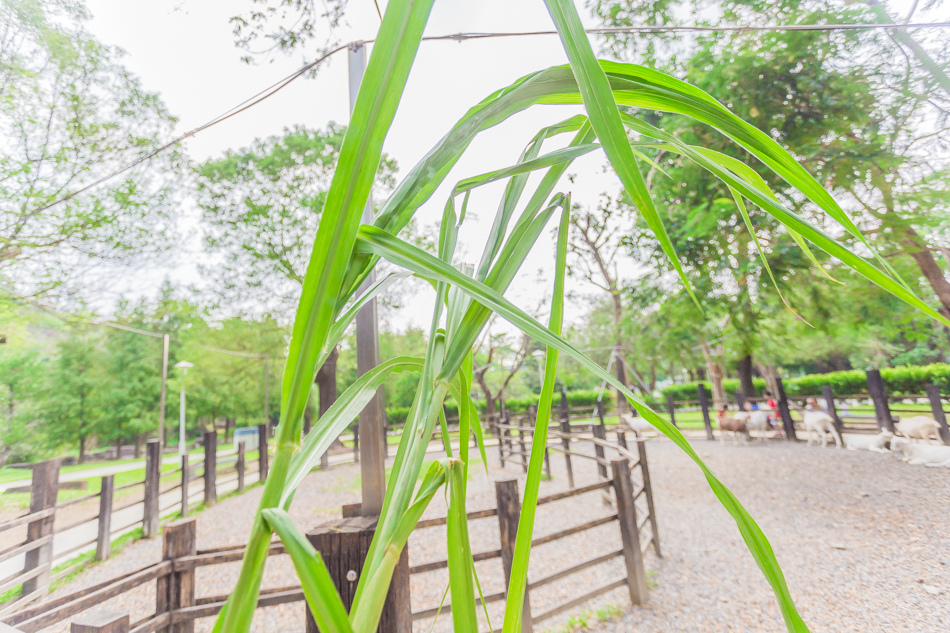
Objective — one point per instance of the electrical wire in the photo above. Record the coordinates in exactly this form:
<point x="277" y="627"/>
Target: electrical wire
<point x="268" y="92"/>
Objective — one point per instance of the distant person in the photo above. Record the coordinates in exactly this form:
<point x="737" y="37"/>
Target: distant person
<point x="772" y="404"/>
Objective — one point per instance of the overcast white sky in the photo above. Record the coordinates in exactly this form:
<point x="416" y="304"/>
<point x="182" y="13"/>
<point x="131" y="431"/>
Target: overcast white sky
<point x="184" y="50"/>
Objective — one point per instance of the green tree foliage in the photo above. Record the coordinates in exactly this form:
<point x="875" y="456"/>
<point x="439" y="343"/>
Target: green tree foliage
<point x="860" y="116"/>
<point x="261" y="206"/>
<point x="74" y="406"/>
<point x="70" y="113"/>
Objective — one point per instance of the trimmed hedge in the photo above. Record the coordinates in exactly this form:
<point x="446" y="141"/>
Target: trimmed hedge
<point x="897" y="380"/>
<point x="579" y="398"/>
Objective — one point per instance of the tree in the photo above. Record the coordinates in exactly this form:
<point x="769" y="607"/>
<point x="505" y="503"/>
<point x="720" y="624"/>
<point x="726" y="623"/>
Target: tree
<point x="73" y="396"/>
<point x="595" y="245"/>
<point x="866" y="110"/>
<point x="496" y="352"/>
<point x="262" y="206"/>
<point x="70" y="113"/>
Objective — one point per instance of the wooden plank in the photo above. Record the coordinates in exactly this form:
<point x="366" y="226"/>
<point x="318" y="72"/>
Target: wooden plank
<point x="177" y="590"/>
<point x="442" y="564"/>
<point x="10" y="552"/>
<point x="629" y="534"/>
<point x="447" y="608"/>
<point x="475" y="514"/>
<point x="583" y="527"/>
<point x="211" y="447"/>
<point x="882" y="413"/>
<point x="101" y="622"/>
<point x="150" y="625"/>
<point x="21" y="577"/>
<point x="936" y="407"/>
<point x="574" y="569"/>
<point x="45" y="484"/>
<point x="212" y="557"/>
<point x="648" y="488"/>
<point x="153" y="470"/>
<point x="557" y="496"/>
<point x="590" y="595"/>
<point x="26" y="518"/>
<point x="83" y="601"/>
<point x="509" y="514"/>
<point x="104" y="523"/>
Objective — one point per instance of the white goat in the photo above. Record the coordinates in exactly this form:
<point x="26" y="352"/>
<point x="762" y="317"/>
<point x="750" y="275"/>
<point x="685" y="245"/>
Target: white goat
<point x="920" y="427"/>
<point x="879" y="443"/>
<point x="932" y="456"/>
<point x="823" y="425"/>
<point x="755" y="421"/>
<point x="637" y="424"/>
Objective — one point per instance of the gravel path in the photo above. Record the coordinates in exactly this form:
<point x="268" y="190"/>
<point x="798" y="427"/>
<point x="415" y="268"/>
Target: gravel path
<point x="864" y="540"/>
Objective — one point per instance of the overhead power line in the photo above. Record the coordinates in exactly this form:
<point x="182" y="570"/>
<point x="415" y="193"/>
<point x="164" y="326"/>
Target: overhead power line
<point x="274" y="88"/>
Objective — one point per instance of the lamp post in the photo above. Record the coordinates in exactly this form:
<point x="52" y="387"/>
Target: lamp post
<point x="184" y="366"/>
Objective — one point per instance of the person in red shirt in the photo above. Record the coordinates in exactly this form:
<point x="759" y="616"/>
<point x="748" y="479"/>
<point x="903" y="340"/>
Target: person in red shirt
<point x="775" y="417"/>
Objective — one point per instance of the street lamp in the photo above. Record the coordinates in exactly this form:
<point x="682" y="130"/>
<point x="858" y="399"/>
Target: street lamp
<point x="184" y="366"/>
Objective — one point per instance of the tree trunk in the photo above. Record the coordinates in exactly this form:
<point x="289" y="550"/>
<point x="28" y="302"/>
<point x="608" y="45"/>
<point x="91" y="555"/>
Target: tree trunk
<point x="915" y="246"/>
<point x="486" y="390"/>
<point x="715" y="370"/>
<point x="621" y="373"/>
<point x="745" y="376"/>
<point x="82" y="450"/>
<point x="306" y="421"/>
<point x="769" y="373"/>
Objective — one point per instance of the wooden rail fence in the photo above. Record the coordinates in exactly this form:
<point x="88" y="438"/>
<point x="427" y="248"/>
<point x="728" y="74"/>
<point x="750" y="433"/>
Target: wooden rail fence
<point x="157" y="505"/>
<point x="343" y="544"/>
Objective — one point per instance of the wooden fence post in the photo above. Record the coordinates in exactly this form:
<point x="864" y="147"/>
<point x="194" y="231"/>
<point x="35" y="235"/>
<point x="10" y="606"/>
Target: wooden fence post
<point x="829" y="397"/>
<point x="936" y="407"/>
<point x="522" y="431"/>
<point x="177" y="590"/>
<point x="601" y="434"/>
<point x="671" y="407"/>
<point x="101" y="622"/>
<point x="104" y="536"/>
<point x="648" y="491"/>
<point x="356" y="441"/>
<point x="185" y="480"/>
<point x="43" y="491"/>
<point x="211" y="467"/>
<point x="153" y="471"/>
<point x="565" y="415"/>
<point x="787" y="423"/>
<point x="629" y="534"/>
<point x="262" y="452"/>
<point x="509" y="513"/>
<point x="500" y="432"/>
<point x="239" y="466"/>
<point x="622" y="439"/>
<point x="882" y="410"/>
<point x="344" y="545"/>
<point x="704" y="405"/>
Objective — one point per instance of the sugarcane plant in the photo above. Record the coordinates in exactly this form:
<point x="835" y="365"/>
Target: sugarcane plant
<point x="345" y="251"/>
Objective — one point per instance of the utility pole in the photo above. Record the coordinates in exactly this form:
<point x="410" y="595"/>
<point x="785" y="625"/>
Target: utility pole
<point x="161" y="400"/>
<point x="372" y="441"/>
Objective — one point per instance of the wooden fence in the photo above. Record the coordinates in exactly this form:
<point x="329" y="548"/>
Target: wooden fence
<point x="888" y="408"/>
<point x="343" y="544"/>
<point x="155" y="493"/>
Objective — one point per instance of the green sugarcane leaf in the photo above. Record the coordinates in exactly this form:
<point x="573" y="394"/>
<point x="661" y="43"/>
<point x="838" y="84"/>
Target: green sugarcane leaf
<point x="532" y="486"/>
<point x="338" y="417"/>
<point x="380" y="92"/>
<point x="318" y="587"/>
<point x="461" y="584"/>
<point x="605" y="118"/>
<point x="402" y="254"/>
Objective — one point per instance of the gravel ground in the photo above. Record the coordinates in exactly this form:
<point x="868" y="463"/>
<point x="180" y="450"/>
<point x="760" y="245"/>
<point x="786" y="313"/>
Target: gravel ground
<point x="863" y="538"/>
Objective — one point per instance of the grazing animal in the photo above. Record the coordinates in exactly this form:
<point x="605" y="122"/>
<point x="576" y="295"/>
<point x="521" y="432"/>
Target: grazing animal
<point x="735" y="425"/>
<point x="920" y="427"/>
<point x="915" y="454"/>
<point x="823" y="425"/>
<point x="637" y="424"/>
<point x="755" y="421"/>
<point x="879" y="443"/>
